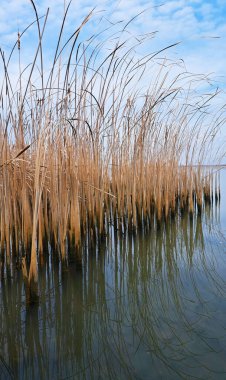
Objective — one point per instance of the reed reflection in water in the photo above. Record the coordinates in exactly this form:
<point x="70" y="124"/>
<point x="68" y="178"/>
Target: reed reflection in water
<point x="144" y="306"/>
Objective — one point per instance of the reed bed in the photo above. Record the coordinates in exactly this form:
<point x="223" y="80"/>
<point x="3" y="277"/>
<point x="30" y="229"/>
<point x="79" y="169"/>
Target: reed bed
<point x="102" y="137"/>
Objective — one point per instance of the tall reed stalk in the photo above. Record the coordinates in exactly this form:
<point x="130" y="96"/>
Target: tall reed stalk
<point x="105" y="137"/>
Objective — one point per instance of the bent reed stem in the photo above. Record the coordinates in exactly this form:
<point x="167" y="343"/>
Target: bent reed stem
<point x="99" y="141"/>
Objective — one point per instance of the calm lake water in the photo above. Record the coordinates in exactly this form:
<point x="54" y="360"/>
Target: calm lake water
<point x="150" y="306"/>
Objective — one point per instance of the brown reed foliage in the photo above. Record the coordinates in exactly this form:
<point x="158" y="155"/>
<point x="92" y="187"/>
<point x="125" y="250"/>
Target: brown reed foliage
<point x="87" y="147"/>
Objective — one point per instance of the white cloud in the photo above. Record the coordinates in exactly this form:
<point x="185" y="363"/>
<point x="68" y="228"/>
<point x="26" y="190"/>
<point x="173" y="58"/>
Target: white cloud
<point x="193" y="22"/>
<point x="187" y="21"/>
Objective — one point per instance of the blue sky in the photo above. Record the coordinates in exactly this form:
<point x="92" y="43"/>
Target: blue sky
<point x="199" y="25"/>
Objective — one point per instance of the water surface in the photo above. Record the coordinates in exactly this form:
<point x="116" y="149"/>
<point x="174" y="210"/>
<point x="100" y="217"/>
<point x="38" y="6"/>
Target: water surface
<point x="144" y="306"/>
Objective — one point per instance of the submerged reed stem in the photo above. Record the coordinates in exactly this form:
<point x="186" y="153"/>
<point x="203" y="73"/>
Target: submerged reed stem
<point x="93" y="145"/>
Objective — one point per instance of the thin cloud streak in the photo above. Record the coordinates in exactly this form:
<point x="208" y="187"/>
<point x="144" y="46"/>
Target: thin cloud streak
<point x="199" y="25"/>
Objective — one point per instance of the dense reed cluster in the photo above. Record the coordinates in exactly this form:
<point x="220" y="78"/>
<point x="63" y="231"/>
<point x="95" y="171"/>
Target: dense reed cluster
<point x="102" y="137"/>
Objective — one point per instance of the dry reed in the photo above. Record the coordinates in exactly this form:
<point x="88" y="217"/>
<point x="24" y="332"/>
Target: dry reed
<point x="87" y="147"/>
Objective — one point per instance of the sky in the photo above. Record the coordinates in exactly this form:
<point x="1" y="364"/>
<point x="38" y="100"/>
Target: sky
<point x="199" y="26"/>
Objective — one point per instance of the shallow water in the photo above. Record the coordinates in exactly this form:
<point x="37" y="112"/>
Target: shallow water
<point x="150" y="306"/>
